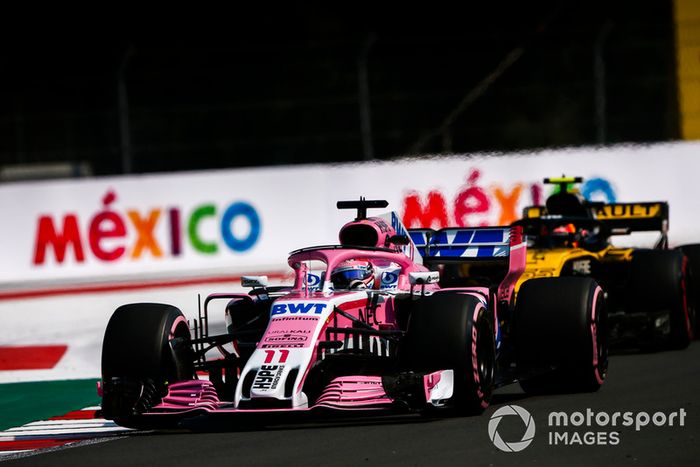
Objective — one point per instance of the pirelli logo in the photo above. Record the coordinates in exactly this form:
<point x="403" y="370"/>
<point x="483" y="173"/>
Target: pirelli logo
<point x="631" y="211"/>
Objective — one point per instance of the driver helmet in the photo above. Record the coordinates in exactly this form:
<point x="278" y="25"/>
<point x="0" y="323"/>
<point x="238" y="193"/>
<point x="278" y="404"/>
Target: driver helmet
<point x="565" y="229"/>
<point x="566" y="232"/>
<point x="353" y="274"/>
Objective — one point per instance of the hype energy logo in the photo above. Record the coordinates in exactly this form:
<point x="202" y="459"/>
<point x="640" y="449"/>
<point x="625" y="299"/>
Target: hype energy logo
<point x="114" y="234"/>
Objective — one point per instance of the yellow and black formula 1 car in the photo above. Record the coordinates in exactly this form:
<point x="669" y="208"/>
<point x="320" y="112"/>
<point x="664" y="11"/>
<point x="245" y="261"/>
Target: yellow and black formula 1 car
<point x="650" y="304"/>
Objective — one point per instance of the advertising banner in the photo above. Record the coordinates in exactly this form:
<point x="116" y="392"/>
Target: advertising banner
<point x="248" y="220"/>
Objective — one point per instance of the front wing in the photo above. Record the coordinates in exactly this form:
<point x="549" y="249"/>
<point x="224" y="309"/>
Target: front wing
<point x="192" y="398"/>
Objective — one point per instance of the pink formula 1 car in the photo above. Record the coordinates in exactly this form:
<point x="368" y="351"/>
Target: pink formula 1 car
<point x="366" y="326"/>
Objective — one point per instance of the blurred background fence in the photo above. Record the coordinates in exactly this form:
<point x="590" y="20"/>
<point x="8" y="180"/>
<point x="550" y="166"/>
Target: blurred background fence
<point x="319" y="86"/>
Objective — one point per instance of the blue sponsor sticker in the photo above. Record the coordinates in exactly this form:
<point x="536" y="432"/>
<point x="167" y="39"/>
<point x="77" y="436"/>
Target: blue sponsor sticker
<point x="313" y="281"/>
<point x="297" y="308"/>
<point x="389" y="277"/>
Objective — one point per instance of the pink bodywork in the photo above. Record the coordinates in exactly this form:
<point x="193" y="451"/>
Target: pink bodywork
<point x="333" y="258"/>
<point x="347" y="392"/>
<point x="187" y="395"/>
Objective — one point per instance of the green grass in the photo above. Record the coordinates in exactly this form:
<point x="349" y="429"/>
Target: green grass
<point x="22" y="403"/>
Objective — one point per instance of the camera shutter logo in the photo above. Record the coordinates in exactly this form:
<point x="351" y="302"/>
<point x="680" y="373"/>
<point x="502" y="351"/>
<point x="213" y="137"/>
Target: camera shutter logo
<point x="527" y="419"/>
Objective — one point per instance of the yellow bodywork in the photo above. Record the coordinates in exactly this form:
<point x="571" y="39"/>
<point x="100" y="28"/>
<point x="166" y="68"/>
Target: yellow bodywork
<point x="543" y="262"/>
<point x="619" y="219"/>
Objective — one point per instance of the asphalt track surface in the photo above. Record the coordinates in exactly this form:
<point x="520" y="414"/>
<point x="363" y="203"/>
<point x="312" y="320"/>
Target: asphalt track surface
<point x="659" y="382"/>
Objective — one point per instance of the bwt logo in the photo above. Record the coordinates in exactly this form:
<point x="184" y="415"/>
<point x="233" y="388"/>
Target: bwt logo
<point x="303" y="308"/>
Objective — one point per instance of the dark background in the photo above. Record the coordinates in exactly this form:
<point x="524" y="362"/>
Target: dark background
<point x="282" y="87"/>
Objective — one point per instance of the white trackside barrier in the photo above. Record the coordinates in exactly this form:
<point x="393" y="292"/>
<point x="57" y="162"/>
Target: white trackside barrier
<point x="246" y="221"/>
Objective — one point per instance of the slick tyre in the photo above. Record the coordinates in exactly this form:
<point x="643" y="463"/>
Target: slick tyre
<point x="146" y="346"/>
<point x="659" y="281"/>
<point x="692" y="252"/>
<point x="454" y="331"/>
<point x="560" y="333"/>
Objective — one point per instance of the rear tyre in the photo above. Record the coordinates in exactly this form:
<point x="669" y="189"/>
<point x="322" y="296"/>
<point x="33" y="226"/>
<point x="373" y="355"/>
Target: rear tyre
<point x="454" y="331"/>
<point x="146" y="346"/>
<point x="692" y="252"/>
<point x="561" y="335"/>
<point x="658" y="282"/>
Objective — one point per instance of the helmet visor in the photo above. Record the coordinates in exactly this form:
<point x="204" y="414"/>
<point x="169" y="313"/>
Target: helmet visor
<point x="354" y="274"/>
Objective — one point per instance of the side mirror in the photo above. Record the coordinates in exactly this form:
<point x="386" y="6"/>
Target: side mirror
<point x="423" y="277"/>
<point x="254" y="281"/>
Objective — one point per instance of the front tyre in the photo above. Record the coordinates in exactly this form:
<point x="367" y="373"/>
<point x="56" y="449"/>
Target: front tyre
<point x="146" y="346"/>
<point x="454" y="331"/>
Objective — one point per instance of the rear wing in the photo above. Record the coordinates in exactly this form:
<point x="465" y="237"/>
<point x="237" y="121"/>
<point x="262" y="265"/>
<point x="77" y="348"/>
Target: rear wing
<point x="466" y="242"/>
<point x="505" y="245"/>
<point x="622" y="218"/>
<point x="637" y="217"/>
